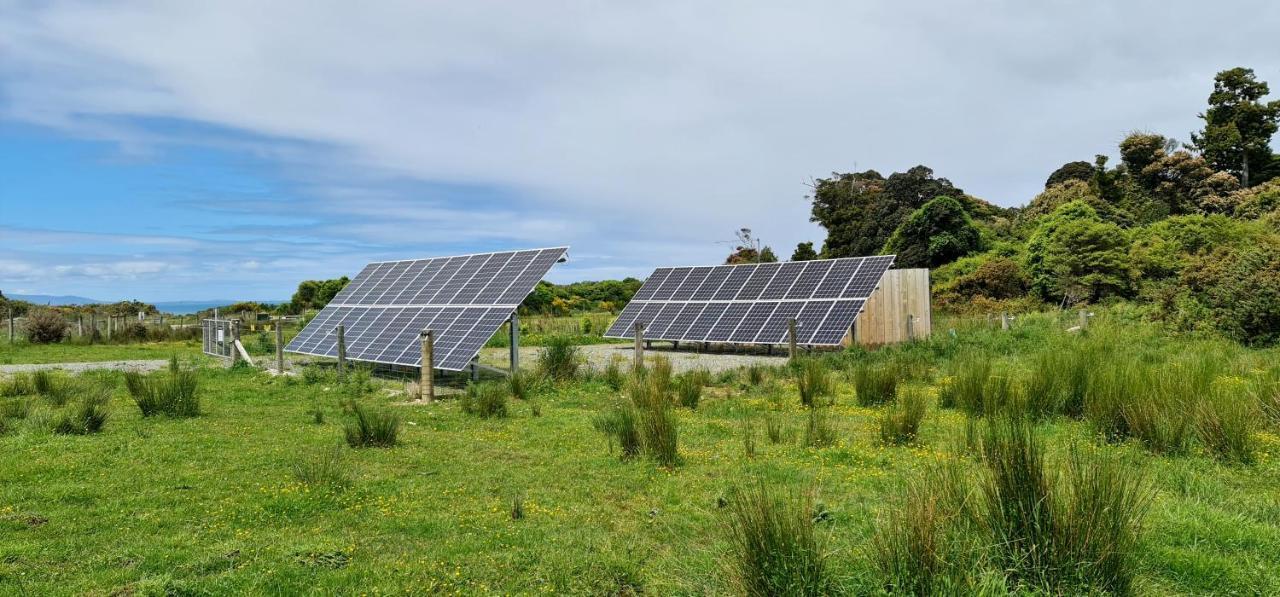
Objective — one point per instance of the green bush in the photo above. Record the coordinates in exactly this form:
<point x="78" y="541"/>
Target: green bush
<point x="44" y="326"/>
<point x="372" y="428"/>
<point x="559" y="359"/>
<point x="775" y="548"/>
<point x="485" y="399"/>
<point x="900" y="424"/>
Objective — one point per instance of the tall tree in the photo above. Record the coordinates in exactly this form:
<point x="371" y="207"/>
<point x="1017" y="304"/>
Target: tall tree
<point x="937" y="233"/>
<point x="861" y="210"/>
<point x="1238" y="125"/>
<point x="1070" y="171"/>
<point x="804" y="252"/>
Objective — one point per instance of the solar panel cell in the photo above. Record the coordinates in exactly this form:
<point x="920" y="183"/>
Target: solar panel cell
<point x="738" y="276"/>
<point x="681" y="325"/>
<point x="756" y="283"/>
<point x="652" y="283"/>
<point x="774" y="331"/>
<point x="728" y="322"/>
<point x="691" y="283"/>
<point x="669" y="285"/>
<point x="783" y="280"/>
<point x="809" y="280"/>
<point x="715" y="279"/>
<point x="705" y="321"/>
<point x="751" y="324"/>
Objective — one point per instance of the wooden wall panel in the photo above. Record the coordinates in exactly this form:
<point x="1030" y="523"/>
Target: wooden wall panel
<point x="902" y="293"/>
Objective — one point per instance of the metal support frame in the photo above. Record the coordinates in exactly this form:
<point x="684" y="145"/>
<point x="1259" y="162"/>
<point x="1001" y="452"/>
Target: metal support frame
<point x="475" y="368"/>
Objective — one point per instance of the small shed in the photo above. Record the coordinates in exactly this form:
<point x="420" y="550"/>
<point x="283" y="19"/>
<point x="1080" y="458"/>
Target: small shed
<point x="897" y="311"/>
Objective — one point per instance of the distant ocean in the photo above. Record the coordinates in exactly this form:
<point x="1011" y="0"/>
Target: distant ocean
<point x="189" y="307"/>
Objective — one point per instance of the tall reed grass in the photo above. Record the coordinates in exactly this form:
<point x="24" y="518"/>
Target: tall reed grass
<point x="775" y="548"/>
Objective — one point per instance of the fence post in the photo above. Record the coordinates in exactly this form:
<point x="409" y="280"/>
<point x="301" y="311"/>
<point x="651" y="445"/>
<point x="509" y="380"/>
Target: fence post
<point x="514" y="322"/>
<point x="342" y="352"/>
<point x="1004" y="320"/>
<point x="639" y="346"/>
<point x="791" y="338"/>
<point x="427" y="382"/>
<point x="79" y="325"/>
<point x="279" y="346"/>
<point x="231" y="339"/>
<point x="11" y="325"/>
<point x="911" y="327"/>
<point x="1084" y="319"/>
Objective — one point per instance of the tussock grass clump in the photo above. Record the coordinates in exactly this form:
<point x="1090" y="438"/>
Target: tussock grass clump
<point x="372" y="428"/>
<point x="1226" y="420"/>
<point x="813" y="381"/>
<point x="1266" y="391"/>
<point x="173" y="392"/>
<point x="323" y="468"/>
<point x="521" y="385"/>
<point x="689" y="389"/>
<point x="875" y="384"/>
<point x="17" y="407"/>
<point x="18" y="385"/>
<point x="900" y="424"/>
<point x="925" y="546"/>
<point x="655" y="420"/>
<point x="1017" y="508"/>
<point x="619" y="424"/>
<point x="660" y="376"/>
<point x="773" y="429"/>
<point x="486" y="399"/>
<point x="967" y="383"/>
<point x="819" y="431"/>
<point x="88" y="415"/>
<point x="754" y="375"/>
<point x="559" y="359"/>
<point x="775" y="548"/>
<point x="54" y="387"/>
<point x="613" y="375"/>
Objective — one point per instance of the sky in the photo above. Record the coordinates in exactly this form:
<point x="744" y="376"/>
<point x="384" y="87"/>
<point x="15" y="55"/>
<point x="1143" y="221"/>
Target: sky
<point x="227" y="150"/>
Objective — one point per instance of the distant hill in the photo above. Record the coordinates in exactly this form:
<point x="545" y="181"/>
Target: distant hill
<point x="50" y="299"/>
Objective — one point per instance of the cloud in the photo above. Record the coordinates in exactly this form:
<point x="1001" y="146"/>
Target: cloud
<point x="639" y="133"/>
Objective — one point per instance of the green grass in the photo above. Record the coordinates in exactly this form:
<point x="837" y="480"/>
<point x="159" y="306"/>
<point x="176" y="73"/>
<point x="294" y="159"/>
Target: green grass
<point x="24" y="353"/>
<point x="238" y="500"/>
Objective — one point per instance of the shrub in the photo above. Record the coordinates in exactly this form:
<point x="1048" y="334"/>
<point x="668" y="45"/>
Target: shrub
<point x="1017" y="510"/>
<point x="323" y="469"/>
<point x="372" y="428"/>
<point x="689" y="390"/>
<point x="875" y="384"/>
<point x="900" y="424"/>
<point x="819" y="431"/>
<point x="775" y="548"/>
<point x="89" y="415"/>
<point x="619" y="424"/>
<point x="1225" y="424"/>
<point x="485" y="399"/>
<point x="559" y="359"/>
<point x="44" y="326"/>
<point x="813" y="381"/>
<point x="174" y="392"/>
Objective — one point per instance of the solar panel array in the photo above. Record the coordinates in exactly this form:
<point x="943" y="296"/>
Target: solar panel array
<point x="462" y="299"/>
<point x="753" y="303"/>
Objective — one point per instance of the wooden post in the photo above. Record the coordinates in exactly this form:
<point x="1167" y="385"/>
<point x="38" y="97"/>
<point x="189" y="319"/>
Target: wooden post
<point x="79" y="325"/>
<point x="427" y="384"/>
<point x="514" y="322"/>
<point x="911" y="327"/>
<point x="639" y="346"/>
<point x="342" y="351"/>
<point x="791" y="338"/>
<point x="1084" y="319"/>
<point x="10" y="325"/>
<point x="231" y="340"/>
<point x="93" y="326"/>
<point x="279" y="347"/>
<point x="1004" y="320"/>
<point x="111" y="324"/>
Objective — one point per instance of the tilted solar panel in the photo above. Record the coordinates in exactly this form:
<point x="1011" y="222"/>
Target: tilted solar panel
<point x="462" y="299"/>
<point x="753" y="303"/>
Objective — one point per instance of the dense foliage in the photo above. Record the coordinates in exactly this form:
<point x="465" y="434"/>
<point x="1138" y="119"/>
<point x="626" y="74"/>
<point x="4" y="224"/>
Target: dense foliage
<point x="562" y="299"/>
<point x="1191" y="230"/>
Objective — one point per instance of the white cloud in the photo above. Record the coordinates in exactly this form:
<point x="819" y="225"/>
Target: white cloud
<point x="640" y="133"/>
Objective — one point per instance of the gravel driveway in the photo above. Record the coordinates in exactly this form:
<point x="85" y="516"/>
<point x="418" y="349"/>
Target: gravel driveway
<point x="138" y="365"/>
<point x="598" y="356"/>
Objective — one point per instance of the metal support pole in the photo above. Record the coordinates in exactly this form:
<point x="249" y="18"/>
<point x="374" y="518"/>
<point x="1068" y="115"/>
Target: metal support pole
<point x="514" y="322"/>
<point x="279" y="346"/>
<point x="791" y="338"/>
<point x="475" y="368"/>
<point x="342" y="351"/>
<point x="639" y="350"/>
<point x="426" y="384"/>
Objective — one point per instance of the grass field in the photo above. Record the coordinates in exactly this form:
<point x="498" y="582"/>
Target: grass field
<point x="544" y="504"/>
<point x="68" y="352"/>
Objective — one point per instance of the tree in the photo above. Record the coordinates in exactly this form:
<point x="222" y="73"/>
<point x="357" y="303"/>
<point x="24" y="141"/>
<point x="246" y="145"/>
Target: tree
<point x="1183" y="182"/>
<point x="1072" y="190"/>
<point x="937" y="233"/>
<point x="1239" y="291"/>
<point x="860" y="211"/>
<point x="1238" y="125"/>
<point x="804" y="252"/>
<point x="1074" y="256"/>
<point x="315" y="294"/>
<point x="1070" y="171"/>
<point x="749" y="250"/>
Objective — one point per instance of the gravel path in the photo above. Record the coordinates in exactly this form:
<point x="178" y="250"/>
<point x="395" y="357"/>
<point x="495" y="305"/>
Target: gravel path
<point x="137" y="365"/>
<point x="599" y="355"/>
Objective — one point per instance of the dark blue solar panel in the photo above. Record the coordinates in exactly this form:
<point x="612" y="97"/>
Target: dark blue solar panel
<point x="715" y="278"/>
<point x="783" y="280"/>
<point x="728" y="322"/>
<point x="758" y="281"/>
<point x="733" y="284"/>
<point x="691" y="283"/>
<point x="651" y="284"/>
<point x="809" y="280"/>
<point x="751" y="324"/>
